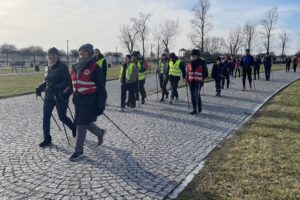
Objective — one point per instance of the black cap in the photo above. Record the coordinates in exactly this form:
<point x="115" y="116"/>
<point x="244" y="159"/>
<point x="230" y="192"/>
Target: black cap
<point x="247" y="49"/>
<point x="172" y="55"/>
<point x="88" y="48"/>
<point x="135" y="53"/>
<point x="53" y="50"/>
<point x="195" y="52"/>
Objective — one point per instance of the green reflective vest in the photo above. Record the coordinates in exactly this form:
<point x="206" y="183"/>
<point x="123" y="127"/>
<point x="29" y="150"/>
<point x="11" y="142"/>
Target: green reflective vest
<point x="129" y="71"/>
<point x="174" y="68"/>
<point x="163" y="67"/>
<point x="100" y="62"/>
<point x="142" y="71"/>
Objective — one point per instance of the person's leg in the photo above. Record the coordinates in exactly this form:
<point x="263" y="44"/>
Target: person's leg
<point x="235" y="71"/>
<point x="239" y="73"/>
<point x="48" y="107"/>
<point x="97" y="131"/>
<point x="218" y="86"/>
<point x="228" y="80"/>
<point x="81" y="134"/>
<point x="137" y="95"/>
<point x="193" y="93"/>
<point x="223" y="81"/>
<point x="249" y="73"/>
<point x="143" y="91"/>
<point x="132" y="100"/>
<point x="61" y="107"/>
<point x="175" y="88"/>
<point x="165" y="83"/>
<point x="161" y="80"/>
<point x="199" y="100"/>
<point x="258" y="72"/>
<point x="244" y="78"/>
<point x="123" y="95"/>
<point x="266" y="73"/>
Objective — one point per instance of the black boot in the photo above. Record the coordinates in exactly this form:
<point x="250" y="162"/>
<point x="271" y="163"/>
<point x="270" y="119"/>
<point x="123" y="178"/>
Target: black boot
<point x="167" y="95"/>
<point x="45" y="143"/>
<point x="194" y="112"/>
<point x="143" y="101"/>
<point x="74" y="132"/>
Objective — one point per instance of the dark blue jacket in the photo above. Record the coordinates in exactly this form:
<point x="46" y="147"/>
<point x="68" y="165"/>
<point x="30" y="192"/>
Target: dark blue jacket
<point x="247" y="61"/>
<point x="217" y="71"/>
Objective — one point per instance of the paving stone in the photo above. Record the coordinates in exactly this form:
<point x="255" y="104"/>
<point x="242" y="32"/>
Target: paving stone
<point x="173" y="144"/>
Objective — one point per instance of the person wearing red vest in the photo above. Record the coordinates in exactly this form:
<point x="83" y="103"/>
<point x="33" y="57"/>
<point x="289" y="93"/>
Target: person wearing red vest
<point x="89" y="96"/>
<point x="195" y="79"/>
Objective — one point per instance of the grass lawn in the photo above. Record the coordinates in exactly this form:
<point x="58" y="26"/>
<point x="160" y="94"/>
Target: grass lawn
<point x="25" y="84"/>
<point x="261" y="161"/>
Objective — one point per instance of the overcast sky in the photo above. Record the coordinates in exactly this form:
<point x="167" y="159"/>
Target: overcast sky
<point x="50" y="23"/>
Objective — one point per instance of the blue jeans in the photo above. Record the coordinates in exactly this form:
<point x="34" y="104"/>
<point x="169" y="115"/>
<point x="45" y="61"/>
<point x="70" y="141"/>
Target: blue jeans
<point x="61" y="107"/>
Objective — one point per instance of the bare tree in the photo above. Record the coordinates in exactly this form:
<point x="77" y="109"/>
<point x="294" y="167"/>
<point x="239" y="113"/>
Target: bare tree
<point x="235" y="40"/>
<point x="284" y="39"/>
<point x="74" y="53"/>
<point x="268" y="23"/>
<point x="168" y="31"/>
<point x="249" y="34"/>
<point x="200" y="23"/>
<point x="36" y="51"/>
<point x="140" y="26"/>
<point x="214" y="45"/>
<point x="128" y="37"/>
<point x="7" y="49"/>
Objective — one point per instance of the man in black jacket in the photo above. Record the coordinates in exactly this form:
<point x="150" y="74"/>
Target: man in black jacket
<point x="57" y="80"/>
<point x="227" y="65"/>
<point x="268" y="66"/>
<point x="217" y="75"/>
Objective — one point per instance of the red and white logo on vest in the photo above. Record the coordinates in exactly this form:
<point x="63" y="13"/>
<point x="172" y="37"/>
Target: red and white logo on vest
<point x="86" y="72"/>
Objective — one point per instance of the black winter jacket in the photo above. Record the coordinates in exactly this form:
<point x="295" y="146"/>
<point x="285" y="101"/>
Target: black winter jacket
<point x="57" y="80"/>
<point x="217" y="71"/>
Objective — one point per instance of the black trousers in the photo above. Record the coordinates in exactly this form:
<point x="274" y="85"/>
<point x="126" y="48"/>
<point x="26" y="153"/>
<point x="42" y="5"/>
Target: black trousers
<point x="174" y="80"/>
<point x="141" y="90"/>
<point x="195" y="89"/>
<point x="295" y="67"/>
<point x="256" y="72"/>
<point x="237" y="70"/>
<point x="287" y="67"/>
<point x="61" y="107"/>
<point x="267" y="72"/>
<point x="163" y="82"/>
<point x="218" y="85"/>
<point x="225" y="76"/>
<point x="247" y="72"/>
<point x="123" y="95"/>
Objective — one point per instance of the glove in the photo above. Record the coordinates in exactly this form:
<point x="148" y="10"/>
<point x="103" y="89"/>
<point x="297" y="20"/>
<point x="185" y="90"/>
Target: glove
<point x="38" y="91"/>
<point x="99" y="111"/>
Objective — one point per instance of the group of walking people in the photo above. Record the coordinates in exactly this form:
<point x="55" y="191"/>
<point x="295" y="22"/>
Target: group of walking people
<point x="87" y="81"/>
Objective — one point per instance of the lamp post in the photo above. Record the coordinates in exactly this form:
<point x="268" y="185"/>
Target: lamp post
<point x="68" y="53"/>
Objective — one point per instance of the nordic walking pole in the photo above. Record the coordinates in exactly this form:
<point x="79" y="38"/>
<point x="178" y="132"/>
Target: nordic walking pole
<point x="187" y="94"/>
<point x="156" y="87"/>
<point x="254" y="84"/>
<point x="71" y="113"/>
<point x="66" y="134"/>
<point x="52" y="116"/>
<point x="121" y="130"/>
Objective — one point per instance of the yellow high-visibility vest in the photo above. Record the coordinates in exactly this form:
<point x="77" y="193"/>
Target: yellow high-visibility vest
<point x="142" y="75"/>
<point x="174" y="68"/>
<point x="100" y="62"/>
<point x="128" y="72"/>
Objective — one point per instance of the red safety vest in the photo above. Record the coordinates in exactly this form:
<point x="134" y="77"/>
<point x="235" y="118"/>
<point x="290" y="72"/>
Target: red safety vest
<point x="194" y="75"/>
<point x="84" y="83"/>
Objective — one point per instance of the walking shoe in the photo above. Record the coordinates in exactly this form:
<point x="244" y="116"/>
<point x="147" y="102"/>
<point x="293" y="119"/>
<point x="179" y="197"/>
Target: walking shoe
<point x="122" y="109"/>
<point x="199" y="109"/>
<point x="74" y="132"/>
<point x="143" y="101"/>
<point x="171" y="101"/>
<point x="162" y="99"/>
<point x="75" y="156"/>
<point x="45" y="143"/>
<point x="218" y="94"/>
<point x="100" y="138"/>
<point x="243" y="89"/>
<point x="194" y="112"/>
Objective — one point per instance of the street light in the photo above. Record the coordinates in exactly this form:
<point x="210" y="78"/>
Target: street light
<point x="68" y="53"/>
